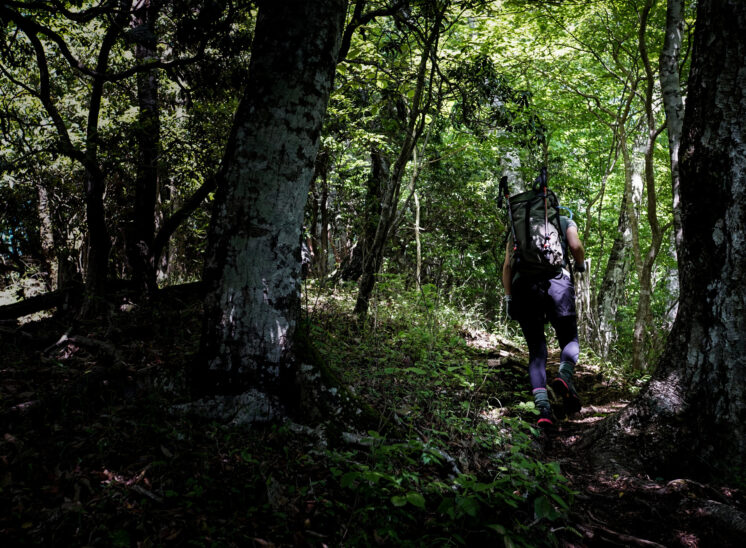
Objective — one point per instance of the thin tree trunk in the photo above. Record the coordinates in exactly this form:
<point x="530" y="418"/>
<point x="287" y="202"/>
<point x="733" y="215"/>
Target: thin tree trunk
<point x="389" y="203"/>
<point x="417" y="239"/>
<point x="643" y="318"/>
<point x="672" y="100"/>
<point x="99" y="242"/>
<point x="46" y="237"/>
<point x="377" y="222"/>
<point x="611" y="292"/>
<point x="148" y="137"/>
<point x="252" y="268"/>
<point x="324" y="235"/>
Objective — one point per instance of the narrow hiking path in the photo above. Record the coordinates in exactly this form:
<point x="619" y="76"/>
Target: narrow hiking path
<point x="614" y="510"/>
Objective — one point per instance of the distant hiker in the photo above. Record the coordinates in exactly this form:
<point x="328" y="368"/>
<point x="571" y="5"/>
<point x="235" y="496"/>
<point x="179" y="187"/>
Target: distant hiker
<point x="539" y="287"/>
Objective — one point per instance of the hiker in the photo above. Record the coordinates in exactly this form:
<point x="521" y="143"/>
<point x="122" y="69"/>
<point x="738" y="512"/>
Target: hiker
<point x="532" y="298"/>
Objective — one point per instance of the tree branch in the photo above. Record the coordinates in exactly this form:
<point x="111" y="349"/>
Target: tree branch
<point x="359" y="19"/>
<point x="175" y="220"/>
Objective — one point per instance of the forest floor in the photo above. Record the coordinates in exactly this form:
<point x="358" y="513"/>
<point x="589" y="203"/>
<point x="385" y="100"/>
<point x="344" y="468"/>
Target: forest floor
<point x="616" y="510"/>
<point x="93" y="454"/>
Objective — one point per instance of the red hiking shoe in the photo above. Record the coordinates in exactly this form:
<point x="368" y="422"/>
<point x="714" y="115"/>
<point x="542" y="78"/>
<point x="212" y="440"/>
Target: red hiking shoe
<point x="546" y="419"/>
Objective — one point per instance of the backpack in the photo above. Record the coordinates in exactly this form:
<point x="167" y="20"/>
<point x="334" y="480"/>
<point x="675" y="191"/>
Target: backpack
<point x="538" y="240"/>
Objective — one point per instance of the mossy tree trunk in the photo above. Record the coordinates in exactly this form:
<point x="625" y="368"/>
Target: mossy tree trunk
<point x="253" y="265"/>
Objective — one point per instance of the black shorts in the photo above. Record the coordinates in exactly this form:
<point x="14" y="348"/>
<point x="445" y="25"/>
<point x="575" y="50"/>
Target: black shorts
<point x="548" y="299"/>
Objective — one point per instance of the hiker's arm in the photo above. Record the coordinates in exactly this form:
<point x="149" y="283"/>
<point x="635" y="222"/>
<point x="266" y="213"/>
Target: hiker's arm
<point x="507" y="271"/>
<point x="575" y="245"/>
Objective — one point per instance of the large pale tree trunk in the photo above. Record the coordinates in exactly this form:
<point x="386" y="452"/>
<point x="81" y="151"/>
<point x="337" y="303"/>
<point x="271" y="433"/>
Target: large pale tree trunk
<point x="691" y="418"/>
<point x="253" y="265"/>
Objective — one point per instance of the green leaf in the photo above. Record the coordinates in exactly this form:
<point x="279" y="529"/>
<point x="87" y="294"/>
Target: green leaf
<point x="348" y="479"/>
<point x="469" y="505"/>
<point x="543" y="509"/>
<point x="416" y="499"/>
<point x="398" y="500"/>
<point x="560" y="501"/>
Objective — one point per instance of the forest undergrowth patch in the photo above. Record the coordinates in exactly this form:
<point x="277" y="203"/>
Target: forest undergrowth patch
<point x="90" y="454"/>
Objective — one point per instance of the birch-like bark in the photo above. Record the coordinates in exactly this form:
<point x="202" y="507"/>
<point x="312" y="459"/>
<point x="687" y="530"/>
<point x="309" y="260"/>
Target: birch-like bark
<point x="611" y="292"/>
<point x="252" y="268"/>
<point x="673" y="102"/>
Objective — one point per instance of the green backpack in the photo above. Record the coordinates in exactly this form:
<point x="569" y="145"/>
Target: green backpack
<point x="538" y="241"/>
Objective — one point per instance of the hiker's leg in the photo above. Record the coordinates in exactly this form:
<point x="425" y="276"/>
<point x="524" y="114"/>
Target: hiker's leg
<point x="533" y="331"/>
<point x="528" y="299"/>
<point x="567" y="336"/>
<point x="565" y="323"/>
<point x="562" y="315"/>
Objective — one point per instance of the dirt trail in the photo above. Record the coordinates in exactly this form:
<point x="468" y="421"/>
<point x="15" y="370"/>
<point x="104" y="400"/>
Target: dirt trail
<point x="612" y="510"/>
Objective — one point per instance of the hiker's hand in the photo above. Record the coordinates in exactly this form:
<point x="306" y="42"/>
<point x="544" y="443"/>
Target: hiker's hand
<point x="579" y="267"/>
<point x="509" y="306"/>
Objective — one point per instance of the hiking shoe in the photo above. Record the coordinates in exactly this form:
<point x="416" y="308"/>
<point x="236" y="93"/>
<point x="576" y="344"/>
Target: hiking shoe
<point x="566" y="392"/>
<point x="546" y="420"/>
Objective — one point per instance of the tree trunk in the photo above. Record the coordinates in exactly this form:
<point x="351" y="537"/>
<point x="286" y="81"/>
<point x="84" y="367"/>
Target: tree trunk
<point x="643" y="317"/>
<point x="418" y="243"/>
<point x="253" y="266"/>
<point x="324" y="204"/>
<point x="148" y="137"/>
<point x="611" y="292"/>
<point x="99" y="242"/>
<point x="673" y="101"/>
<point x="379" y="217"/>
<point x="416" y="121"/>
<point x="46" y="237"/>
<point x="690" y="418"/>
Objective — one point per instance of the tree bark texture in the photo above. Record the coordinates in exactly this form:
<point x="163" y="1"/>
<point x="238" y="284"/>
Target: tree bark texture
<point x="253" y="266"/>
<point x="691" y="418"/>
<point x="148" y="138"/>
<point x="673" y="101"/>
<point x="611" y="292"/>
<point x="49" y="266"/>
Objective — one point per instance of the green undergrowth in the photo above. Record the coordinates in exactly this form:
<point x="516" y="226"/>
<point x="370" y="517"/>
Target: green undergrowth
<point x="91" y="455"/>
<point x="468" y="470"/>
